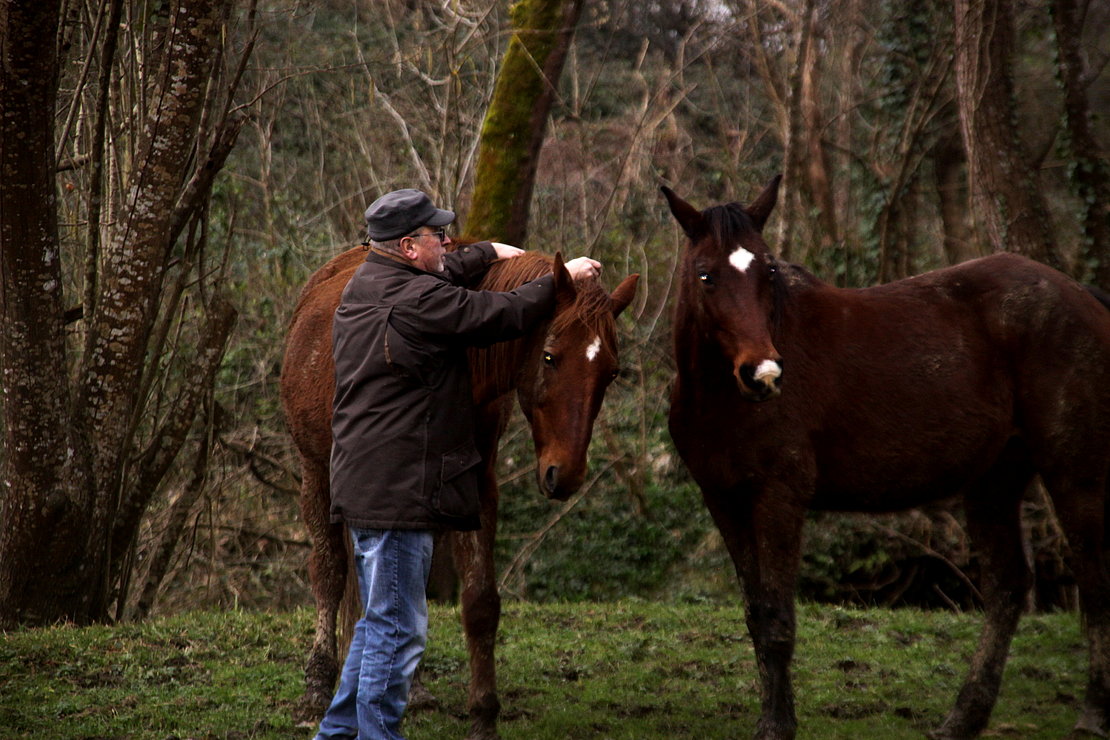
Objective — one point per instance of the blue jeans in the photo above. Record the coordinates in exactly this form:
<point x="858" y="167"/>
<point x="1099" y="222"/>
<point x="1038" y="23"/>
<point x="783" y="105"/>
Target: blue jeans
<point x="389" y="640"/>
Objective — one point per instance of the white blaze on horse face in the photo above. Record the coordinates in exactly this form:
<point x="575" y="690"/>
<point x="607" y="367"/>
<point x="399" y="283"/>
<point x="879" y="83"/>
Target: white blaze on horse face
<point x="593" y="349"/>
<point x="741" y="259"/>
<point x="768" y="371"/>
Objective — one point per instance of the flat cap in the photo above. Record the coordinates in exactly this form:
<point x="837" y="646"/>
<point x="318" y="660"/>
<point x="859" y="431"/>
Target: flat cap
<point x="401" y="212"/>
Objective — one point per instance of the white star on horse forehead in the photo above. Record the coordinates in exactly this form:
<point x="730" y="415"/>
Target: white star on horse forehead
<point x="741" y="259"/>
<point x="593" y="349"/>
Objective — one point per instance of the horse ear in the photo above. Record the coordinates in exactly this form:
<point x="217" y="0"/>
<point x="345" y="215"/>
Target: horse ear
<point x="565" y="292"/>
<point x="761" y="207"/>
<point x="688" y="217"/>
<point x="623" y="295"/>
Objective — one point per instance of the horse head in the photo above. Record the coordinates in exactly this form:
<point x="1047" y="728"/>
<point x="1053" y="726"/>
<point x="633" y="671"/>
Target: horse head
<point x="563" y="383"/>
<point x="728" y="278"/>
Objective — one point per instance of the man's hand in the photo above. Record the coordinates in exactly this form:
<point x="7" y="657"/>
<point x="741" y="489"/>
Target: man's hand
<point x="581" y="268"/>
<point x="505" y="251"/>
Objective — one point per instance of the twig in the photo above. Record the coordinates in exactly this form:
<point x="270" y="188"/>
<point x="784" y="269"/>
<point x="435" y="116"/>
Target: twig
<point x="932" y="553"/>
<point x="529" y="548"/>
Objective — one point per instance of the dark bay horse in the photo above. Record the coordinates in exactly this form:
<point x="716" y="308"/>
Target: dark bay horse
<point x="793" y="394"/>
<point x="560" y="372"/>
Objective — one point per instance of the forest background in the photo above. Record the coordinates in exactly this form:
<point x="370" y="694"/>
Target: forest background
<point x="316" y="108"/>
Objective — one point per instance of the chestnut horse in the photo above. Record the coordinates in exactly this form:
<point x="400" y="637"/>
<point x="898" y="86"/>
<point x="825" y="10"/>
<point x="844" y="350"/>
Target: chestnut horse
<point x="560" y="371"/>
<point x="793" y="394"/>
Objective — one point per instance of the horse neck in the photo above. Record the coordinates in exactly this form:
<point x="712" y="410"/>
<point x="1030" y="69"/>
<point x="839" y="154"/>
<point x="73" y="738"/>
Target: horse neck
<point x="502" y="367"/>
<point x="699" y="360"/>
<point x="499" y="368"/>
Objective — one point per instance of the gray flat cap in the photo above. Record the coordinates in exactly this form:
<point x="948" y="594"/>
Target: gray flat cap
<point x="401" y="212"/>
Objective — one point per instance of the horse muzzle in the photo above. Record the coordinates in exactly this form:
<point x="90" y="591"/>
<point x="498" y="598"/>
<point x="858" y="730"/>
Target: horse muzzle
<point x="760" y="382"/>
<point x="556" y="485"/>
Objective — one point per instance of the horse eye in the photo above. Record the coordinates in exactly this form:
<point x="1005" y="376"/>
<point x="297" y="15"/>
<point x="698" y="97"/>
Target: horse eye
<point x="548" y="359"/>
<point x="705" y="277"/>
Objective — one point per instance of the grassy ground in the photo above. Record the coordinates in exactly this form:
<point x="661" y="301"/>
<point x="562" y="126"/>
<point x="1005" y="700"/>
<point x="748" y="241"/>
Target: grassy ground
<point x="628" y="670"/>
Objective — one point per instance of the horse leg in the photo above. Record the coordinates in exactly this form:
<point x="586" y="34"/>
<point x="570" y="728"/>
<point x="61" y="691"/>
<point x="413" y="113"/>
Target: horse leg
<point x="327" y="570"/>
<point x="763" y="536"/>
<point x="1082" y="511"/>
<point x="479" y="600"/>
<point x="481" y="613"/>
<point x="994" y="524"/>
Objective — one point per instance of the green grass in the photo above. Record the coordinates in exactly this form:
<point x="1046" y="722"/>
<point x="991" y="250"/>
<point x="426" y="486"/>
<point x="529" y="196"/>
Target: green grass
<point x="624" y="670"/>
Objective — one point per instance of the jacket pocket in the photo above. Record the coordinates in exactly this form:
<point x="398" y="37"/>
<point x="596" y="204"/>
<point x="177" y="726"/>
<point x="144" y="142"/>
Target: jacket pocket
<point x="456" y="494"/>
<point x="411" y="359"/>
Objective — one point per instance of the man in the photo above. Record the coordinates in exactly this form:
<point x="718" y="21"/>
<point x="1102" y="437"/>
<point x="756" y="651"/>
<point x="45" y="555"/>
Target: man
<point x="404" y="461"/>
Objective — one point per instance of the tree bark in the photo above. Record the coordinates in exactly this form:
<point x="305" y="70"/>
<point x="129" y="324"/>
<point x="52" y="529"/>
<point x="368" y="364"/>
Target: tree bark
<point x="817" y="183"/>
<point x="1004" y="196"/>
<point x="516" y="120"/>
<point x="74" y="476"/>
<point x="951" y="187"/>
<point x="44" y="497"/>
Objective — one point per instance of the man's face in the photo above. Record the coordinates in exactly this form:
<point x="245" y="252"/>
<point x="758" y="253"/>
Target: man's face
<point x="429" y="245"/>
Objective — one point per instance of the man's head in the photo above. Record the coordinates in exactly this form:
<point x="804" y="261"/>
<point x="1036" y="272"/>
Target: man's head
<point x="406" y="223"/>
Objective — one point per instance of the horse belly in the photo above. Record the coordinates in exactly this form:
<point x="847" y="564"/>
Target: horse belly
<point x="894" y="473"/>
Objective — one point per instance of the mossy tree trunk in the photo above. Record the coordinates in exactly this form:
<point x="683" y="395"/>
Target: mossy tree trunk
<point x="516" y="120"/>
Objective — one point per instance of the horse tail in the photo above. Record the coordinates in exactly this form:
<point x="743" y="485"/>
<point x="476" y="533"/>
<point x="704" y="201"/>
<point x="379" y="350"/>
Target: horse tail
<point x="1106" y="524"/>
<point x="1102" y="296"/>
<point x="350" y="606"/>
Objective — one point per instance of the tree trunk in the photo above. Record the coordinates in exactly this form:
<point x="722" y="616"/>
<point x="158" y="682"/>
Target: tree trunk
<point x="817" y="184"/>
<point x="1088" y="168"/>
<point x="76" y="479"/>
<point x="951" y="187"/>
<point x="44" y="496"/>
<point x="516" y="120"/>
<point x="796" y="227"/>
<point x="1004" y="196"/>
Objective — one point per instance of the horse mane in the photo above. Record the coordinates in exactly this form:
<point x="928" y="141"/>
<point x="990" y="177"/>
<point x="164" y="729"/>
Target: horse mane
<point x="591" y="304"/>
<point x="729" y="222"/>
<point x="512" y="273"/>
<point x="499" y="363"/>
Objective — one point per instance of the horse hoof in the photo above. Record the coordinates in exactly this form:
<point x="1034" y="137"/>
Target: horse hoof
<point x="775" y="731"/>
<point x="420" y="698"/>
<point x="1089" y="726"/>
<point x="310" y="709"/>
<point x="483" y="732"/>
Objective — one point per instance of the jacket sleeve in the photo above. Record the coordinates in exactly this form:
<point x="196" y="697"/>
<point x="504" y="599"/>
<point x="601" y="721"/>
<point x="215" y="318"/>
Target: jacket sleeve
<point x="480" y="317"/>
<point x="469" y="263"/>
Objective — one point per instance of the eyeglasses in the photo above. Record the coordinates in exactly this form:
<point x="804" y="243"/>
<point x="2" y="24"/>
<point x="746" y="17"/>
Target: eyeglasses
<point x="439" y="234"/>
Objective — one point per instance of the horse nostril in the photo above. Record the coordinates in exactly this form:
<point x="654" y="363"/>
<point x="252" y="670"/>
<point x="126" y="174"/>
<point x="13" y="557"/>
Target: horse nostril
<point x="747" y="375"/>
<point x="551" y="479"/>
